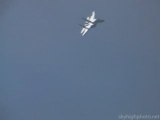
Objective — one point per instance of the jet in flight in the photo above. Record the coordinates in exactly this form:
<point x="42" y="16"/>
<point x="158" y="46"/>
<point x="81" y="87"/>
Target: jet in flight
<point x="90" y="22"/>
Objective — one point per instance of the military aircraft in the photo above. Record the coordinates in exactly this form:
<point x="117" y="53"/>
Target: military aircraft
<point x="90" y="22"/>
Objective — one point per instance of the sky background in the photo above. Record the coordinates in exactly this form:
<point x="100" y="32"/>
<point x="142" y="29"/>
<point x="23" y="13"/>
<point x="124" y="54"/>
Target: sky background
<point x="50" y="72"/>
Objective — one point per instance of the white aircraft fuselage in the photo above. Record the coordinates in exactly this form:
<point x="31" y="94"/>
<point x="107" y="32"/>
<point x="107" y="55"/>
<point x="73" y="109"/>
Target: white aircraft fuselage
<point x="90" y="21"/>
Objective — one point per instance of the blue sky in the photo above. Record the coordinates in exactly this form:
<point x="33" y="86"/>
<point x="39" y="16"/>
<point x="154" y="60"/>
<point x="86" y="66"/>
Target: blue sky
<point x="49" y="71"/>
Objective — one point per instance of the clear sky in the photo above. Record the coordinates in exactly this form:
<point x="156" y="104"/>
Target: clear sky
<point x="50" y="72"/>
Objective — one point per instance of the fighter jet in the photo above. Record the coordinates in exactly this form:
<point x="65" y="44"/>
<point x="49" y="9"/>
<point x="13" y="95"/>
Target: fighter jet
<point x="90" y="22"/>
